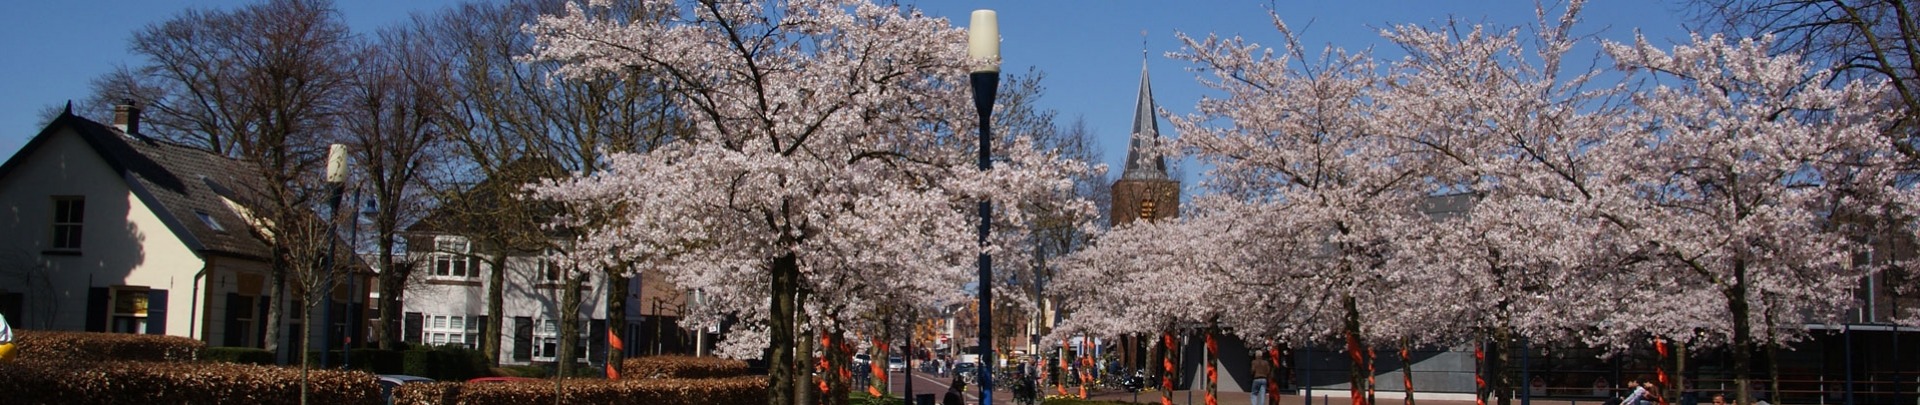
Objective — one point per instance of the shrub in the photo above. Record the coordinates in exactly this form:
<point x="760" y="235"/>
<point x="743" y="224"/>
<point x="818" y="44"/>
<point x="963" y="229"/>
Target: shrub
<point x="722" y="391"/>
<point x="141" y="382"/>
<point x="449" y="363"/>
<point x="369" y="360"/>
<point x="242" y="355"/>
<point x="94" y="346"/>
<point x="521" y="371"/>
<point x="1077" y="401"/>
<point x="682" y="367"/>
<point x="434" y="393"/>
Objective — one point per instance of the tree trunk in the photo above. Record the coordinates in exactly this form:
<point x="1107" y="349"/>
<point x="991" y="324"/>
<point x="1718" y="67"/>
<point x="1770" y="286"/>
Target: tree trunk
<point x="617" y="290"/>
<point x="276" y="311"/>
<point x="1773" y="372"/>
<point x="496" y="298"/>
<point x="839" y="367"/>
<point x="391" y="283"/>
<point x="306" y="337"/>
<point x="1679" y="371"/>
<point x="780" y="372"/>
<point x="1497" y="363"/>
<point x="1773" y="357"/>
<point x="1169" y="360"/>
<point x="1213" y="372"/>
<point x="1742" y="334"/>
<point x="569" y="325"/>
<point x="1406" y="369"/>
<point x="1357" y="377"/>
<point x="803" y="386"/>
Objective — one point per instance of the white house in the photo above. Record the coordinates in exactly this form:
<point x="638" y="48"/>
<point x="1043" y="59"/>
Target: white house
<point x="450" y="305"/>
<point x="106" y="230"/>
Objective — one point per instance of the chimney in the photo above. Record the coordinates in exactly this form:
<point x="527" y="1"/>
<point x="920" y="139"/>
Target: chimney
<point x="126" y="117"/>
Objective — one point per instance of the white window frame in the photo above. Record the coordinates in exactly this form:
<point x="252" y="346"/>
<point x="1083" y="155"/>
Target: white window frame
<point x="460" y="330"/>
<point x="74" y="224"/>
<point x="453" y="252"/>
<point x="546" y="332"/>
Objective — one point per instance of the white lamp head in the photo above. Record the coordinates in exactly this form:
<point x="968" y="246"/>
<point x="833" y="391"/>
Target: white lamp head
<point x="337" y="164"/>
<point x="983" y="41"/>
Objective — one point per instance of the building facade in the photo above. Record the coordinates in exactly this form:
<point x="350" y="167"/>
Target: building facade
<point x="110" y="231"/>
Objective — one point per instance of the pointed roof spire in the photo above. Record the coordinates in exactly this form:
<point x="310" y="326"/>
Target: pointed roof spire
<point x="1142" y="162"/>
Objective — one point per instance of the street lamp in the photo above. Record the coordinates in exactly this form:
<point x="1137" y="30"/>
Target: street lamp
<point x="983" y="47"/>
<point x="336" y="181"/>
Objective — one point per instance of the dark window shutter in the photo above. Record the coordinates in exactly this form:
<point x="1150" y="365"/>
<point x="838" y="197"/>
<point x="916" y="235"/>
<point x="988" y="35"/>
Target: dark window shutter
<point x="261" y="306"/>
<point x="157" y="312"/>
<point x="97" y="307"/>
<point x="597" y="341"/>
<point x="415" y="325"/>
<point x="473" y="266"/>
<point x="522" y="338"/>
<point x="231" y="335"/>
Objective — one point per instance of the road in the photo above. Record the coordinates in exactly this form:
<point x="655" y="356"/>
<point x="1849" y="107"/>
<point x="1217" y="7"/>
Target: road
<point x="926" y="383"/>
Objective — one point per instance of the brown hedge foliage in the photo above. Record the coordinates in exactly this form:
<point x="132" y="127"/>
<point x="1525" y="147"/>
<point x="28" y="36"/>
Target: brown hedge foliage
<point x="719" y="391"/>
<point x="94" y="346"/>
<point x="39" y="381"/>
<point x="435" y="393"/>
<point x="682" y="367"/>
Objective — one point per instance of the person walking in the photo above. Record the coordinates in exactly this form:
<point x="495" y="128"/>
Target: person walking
<point x="1262" y="372"/>
<point x="956" y="393"/>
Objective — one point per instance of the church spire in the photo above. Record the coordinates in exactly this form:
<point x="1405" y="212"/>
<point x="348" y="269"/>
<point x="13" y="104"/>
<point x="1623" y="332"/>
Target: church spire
<point x="1142" y="162"/>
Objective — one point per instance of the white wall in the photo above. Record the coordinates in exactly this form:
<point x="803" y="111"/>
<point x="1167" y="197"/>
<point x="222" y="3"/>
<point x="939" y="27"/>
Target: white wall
<point x="525" y="292"/>
<point x="123" y="243"/>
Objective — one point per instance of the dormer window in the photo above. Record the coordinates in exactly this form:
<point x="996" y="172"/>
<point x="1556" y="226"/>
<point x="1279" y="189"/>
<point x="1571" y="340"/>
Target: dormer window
<point x="206" y="218"/>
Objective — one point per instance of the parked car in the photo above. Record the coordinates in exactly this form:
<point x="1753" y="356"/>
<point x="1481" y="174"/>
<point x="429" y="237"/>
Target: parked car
<point x="390" y="381"/>
<point x="861" y="360"/>
<point x="895" y="365"/>
<point x="966" y="372"/>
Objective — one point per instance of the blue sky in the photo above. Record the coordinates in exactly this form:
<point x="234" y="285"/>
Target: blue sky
<point x="1089" y="49"/>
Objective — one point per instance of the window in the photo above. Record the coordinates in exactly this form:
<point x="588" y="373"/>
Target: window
<point x="452" y="330"/>
<point x="549" y="269"/>
<point x="68" y="214"/>
<point x="450" y="258"/>
<point x="546" y="342"/>
<point x="208" y="219"/>
<point x="129" y="311"/>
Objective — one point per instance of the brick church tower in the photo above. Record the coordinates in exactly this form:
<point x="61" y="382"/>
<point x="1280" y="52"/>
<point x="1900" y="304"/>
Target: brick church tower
<point x="1144" y="190"/>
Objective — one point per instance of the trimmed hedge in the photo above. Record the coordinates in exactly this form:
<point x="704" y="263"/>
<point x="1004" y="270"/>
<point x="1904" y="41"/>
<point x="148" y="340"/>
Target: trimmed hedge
<point x="681" y="367"/>
<point x="446" y="363"/>
<point x="242" y="355"/>
<point x="723" y="391"/>
<point x="1077" y="401"/>
<point x="58" y="346"/>
<point x="139" y="382"/>
<point x="428" y="393"/>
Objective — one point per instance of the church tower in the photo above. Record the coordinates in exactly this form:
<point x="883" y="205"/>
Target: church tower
<point x="1144" y="191"/>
